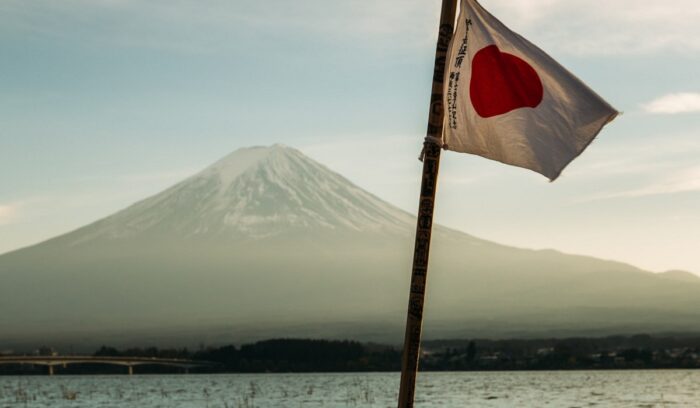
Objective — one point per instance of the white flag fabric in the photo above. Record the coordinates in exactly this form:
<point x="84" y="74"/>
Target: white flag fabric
<point x="507" y="100"/>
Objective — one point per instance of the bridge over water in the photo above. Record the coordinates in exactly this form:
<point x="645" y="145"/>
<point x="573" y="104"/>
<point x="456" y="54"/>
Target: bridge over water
<point x="129" y="362"/>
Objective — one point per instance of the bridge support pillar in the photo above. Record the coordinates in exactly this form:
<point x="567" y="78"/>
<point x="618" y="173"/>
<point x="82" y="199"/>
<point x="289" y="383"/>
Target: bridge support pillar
<point x="131" y="370"/>
<point x="50" y="369"/>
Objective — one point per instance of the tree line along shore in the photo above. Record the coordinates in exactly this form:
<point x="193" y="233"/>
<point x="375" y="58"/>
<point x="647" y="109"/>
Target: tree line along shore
<point x="306" y="355"/>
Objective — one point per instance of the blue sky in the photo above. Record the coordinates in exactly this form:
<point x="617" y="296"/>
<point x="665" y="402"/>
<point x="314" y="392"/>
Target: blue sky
<point x="105" y="102"/>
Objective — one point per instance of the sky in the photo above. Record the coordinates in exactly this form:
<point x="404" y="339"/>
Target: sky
<point x="103" y="103"/>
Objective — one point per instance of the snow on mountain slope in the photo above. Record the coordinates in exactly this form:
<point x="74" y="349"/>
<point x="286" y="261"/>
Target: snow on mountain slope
<point x="253" y="193"/>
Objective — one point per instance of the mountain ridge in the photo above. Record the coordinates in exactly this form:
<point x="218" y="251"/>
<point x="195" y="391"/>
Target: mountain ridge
<point x="238" y="178"/>
<point x="684" y="276"/>
<point x="266" y="240"/>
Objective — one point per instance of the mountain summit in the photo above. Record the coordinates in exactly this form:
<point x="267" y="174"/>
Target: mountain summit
<point x="267" y="242"/>
<point x="253" y="193"/>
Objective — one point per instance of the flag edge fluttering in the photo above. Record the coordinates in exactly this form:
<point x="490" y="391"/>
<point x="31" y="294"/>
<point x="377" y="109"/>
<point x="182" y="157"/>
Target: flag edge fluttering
<point x="604" y="119"/>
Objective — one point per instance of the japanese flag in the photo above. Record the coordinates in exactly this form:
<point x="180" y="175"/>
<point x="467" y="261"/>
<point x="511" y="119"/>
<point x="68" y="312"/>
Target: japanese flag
<point x="507" y="100"/>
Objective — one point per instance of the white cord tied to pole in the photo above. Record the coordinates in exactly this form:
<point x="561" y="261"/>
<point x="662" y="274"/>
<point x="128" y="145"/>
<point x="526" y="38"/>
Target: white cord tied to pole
<point x="431" y="139"/>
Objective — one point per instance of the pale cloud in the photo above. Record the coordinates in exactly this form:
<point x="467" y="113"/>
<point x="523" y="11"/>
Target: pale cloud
<point x="653" y="155"/>
<point x="659" y="165"/>
<point x="682" y="102"/>
<point x="35" y="217"/>
<point x="620" y="27"/>
<point x="617" y="27"/>
<point x="115" y="191"/>
<point x="8" y="213"/>
<point x="682" y="181"/>
<point x="194" y="26"/>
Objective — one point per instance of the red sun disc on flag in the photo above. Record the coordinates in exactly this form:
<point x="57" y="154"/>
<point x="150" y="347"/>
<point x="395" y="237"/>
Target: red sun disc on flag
<point x="502" y="82"/>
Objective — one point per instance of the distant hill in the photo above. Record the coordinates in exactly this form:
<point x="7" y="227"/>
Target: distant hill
<point x="681" y="276"/>
<point x="268" y="243"/>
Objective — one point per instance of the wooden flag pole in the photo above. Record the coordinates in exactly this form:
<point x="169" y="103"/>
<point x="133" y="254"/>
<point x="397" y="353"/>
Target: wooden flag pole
<point x="431" y="164"/>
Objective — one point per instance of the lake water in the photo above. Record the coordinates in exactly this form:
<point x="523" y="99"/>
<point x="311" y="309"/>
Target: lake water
<point x="663" y="388"/>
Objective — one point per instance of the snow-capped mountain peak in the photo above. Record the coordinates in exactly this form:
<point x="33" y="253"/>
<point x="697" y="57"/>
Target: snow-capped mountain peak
<point x="255" y="192"/>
